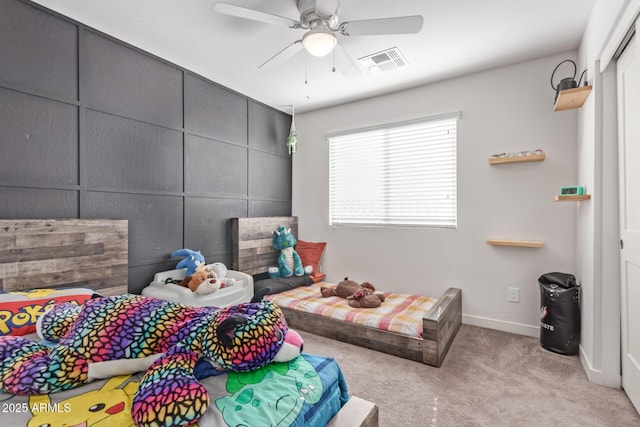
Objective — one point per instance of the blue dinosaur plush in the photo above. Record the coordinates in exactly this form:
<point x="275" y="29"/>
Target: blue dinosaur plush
<point x="191" y="261"/>
<point x="289" y="262"/>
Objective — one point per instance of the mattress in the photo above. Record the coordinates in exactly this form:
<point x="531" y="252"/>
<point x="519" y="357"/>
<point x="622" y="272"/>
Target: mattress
<point x="307" y="391"/>
<point x="399" y="313"/>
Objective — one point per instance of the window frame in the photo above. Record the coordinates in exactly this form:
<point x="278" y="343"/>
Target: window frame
<point x="446" y="222"/>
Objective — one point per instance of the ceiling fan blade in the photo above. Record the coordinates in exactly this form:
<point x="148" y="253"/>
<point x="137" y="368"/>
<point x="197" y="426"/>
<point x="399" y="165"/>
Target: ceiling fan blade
<point x="345" y="64"/>
<point x="283" y="55"/>
<point x="334" y="19"/>
<point x="255" y="15"/>
<point x="399" y="25"/>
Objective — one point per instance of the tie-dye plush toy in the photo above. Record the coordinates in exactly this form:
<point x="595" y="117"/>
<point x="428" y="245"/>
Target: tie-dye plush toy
<point x="120" y="335"/>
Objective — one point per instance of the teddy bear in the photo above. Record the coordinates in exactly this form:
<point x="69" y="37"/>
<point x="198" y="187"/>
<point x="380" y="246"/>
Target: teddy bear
<point x="219" y="270"/>
<point x="359" y="295"/>
<point x="202" y="282"/>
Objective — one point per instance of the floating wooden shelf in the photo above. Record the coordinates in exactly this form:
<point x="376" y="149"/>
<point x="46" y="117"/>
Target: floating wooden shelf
<point x="572" y="98"/>
<point x="571" y="198"/>
<point x="516" y="159"/>
<point x="517" y="243"/>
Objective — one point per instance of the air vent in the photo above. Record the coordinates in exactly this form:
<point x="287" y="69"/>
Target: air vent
<point x="386" y="60"/>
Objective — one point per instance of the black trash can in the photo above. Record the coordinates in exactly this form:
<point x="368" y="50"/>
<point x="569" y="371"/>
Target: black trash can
<point x="559" y="313"/>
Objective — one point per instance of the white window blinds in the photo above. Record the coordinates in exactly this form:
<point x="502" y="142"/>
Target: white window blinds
<point x="398" y="174"/>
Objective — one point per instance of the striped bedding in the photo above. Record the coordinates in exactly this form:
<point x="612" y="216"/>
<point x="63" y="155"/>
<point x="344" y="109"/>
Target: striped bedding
<point x="399" y="313"/>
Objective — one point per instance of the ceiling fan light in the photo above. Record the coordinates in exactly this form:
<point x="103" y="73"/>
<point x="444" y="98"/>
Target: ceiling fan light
<point x="319" y="42"/>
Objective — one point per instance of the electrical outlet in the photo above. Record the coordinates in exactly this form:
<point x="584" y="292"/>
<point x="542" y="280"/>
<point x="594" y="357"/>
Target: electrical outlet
<point x="513" y="294"/>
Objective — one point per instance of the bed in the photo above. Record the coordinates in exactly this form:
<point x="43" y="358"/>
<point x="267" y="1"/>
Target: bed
<point x="428" y="343"/>
<point x="67" y="257"/>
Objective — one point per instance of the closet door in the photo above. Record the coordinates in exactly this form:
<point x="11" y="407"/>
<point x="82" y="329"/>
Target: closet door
<point x="628" y="78"/>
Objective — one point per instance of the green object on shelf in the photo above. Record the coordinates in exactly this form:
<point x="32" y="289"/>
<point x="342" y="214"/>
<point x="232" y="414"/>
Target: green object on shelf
<point x="572" y="190"/>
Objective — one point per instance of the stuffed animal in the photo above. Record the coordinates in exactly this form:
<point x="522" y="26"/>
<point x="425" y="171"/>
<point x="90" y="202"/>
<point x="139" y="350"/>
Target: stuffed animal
<point x="289" y="262"/>
<point x="117" y="335"/>
<point x="202" y="282"/>
<point x="359" y="295"/>
<point x="191" y="261"/>
<point x="220" y="271"/>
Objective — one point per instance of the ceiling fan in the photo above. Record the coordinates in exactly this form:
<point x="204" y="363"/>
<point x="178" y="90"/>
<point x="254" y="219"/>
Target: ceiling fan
<point x="320" y="38"/>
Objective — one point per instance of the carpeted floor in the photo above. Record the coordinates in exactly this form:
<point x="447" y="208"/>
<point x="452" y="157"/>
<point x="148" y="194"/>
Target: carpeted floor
<point x="489" y="378"/>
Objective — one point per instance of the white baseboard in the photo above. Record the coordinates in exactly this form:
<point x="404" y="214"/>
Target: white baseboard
<point x="499" y="325"/>
<point x="596" y="376"/>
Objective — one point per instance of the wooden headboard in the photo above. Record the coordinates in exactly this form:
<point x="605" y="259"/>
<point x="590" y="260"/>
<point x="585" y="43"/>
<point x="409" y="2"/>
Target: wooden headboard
<point x="53" y="253"/>
<point x="253" y="251"/>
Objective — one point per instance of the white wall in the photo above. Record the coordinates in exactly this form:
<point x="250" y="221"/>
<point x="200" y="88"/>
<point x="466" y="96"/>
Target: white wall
<point x="597" y="222"/>
<point x="503" y="110"/>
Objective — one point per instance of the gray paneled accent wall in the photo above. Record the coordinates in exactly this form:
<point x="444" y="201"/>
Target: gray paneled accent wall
<point x="91" y="127"/>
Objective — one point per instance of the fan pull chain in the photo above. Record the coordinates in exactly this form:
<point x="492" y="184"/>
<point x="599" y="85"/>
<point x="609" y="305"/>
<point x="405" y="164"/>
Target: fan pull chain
<point x="306" y="69"/>
<point x="333" y="69"/>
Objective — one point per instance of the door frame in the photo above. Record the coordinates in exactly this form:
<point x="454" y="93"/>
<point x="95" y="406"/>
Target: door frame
<point x="602" y="365"/>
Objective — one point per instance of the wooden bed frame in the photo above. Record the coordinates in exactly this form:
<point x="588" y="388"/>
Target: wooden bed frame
<point x="52" y="253"/>
<point x="253" y="253"/>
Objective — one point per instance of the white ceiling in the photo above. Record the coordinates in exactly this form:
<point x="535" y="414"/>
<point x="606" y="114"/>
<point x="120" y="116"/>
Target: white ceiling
<point x="458" y="37"/>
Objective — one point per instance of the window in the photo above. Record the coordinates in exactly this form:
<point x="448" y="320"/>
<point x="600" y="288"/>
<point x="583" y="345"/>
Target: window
<point x="397" y="174"/>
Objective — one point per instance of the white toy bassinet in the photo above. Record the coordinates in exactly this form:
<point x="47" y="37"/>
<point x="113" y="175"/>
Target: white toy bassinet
<point x="240" y="291"/>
